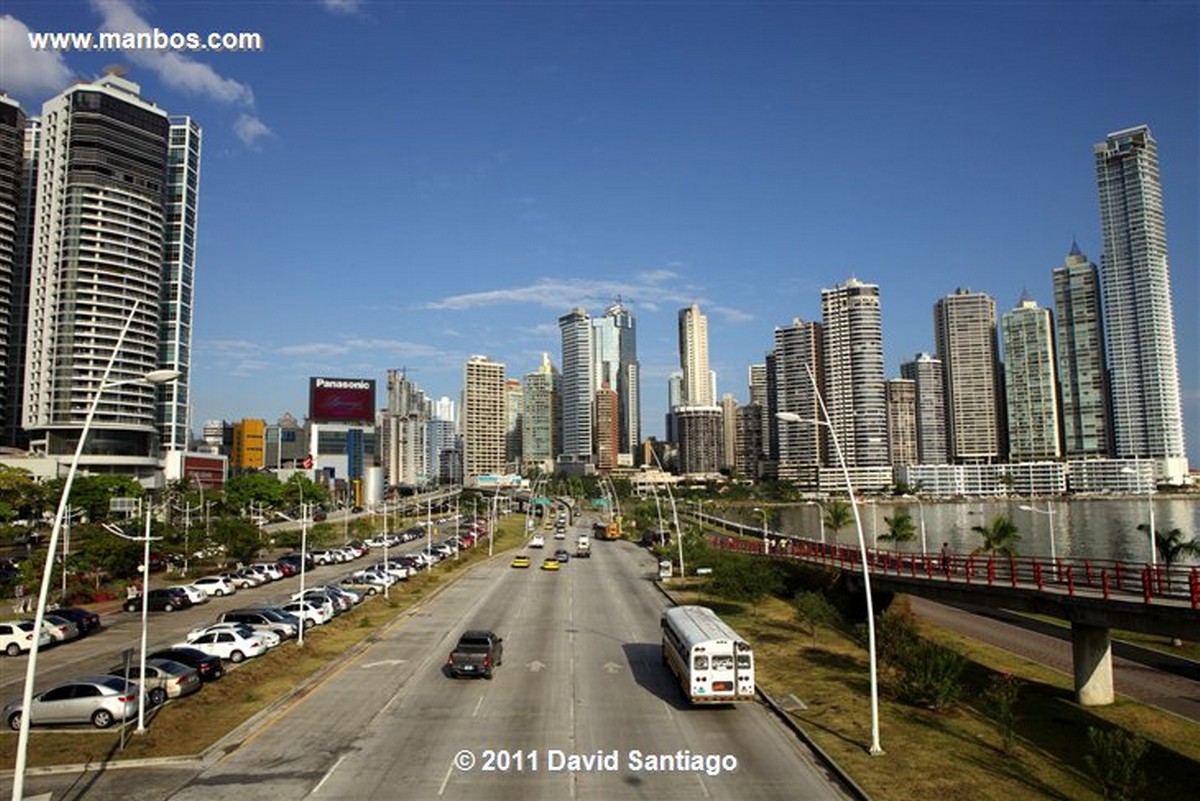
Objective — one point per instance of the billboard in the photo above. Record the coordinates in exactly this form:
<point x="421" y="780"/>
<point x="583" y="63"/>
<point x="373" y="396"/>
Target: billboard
<point x="341" y="400"/>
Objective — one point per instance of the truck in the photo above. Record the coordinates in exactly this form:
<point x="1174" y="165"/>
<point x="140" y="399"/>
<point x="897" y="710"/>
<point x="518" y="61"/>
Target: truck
<point x="477" y="653"/>
<point x="583" y="547"/>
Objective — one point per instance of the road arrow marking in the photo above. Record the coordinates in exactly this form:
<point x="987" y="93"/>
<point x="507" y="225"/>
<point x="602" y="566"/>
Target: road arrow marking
<point x="611" y="667"/>
<point x="384" y="663"/>
<point x="535" y="666"/>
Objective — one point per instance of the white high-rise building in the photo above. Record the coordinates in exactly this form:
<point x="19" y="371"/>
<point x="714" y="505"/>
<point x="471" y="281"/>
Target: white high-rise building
<point x="925" y="371"/>
<point x="854" y="391"/>
<point x="1030" y="383"/>
<point x="1138" y="318"/>
<point x="578" y="390"/>
<point x="698" y="381"/>
<point x="965" y="331"/>
<point x="404" y="431"/>
<point x="102" y="231"/>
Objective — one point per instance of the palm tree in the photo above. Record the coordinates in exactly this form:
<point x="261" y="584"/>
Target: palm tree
<point x="900" y="527"/>
<point x="1170" y="546"/>
<point x="838" y="515"/>
<point x="999" y="537"/>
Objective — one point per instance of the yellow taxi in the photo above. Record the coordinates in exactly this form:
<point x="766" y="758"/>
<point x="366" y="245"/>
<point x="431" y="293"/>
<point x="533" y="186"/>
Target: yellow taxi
<point x="520" y="561"/>
<point x="550" y="564"/>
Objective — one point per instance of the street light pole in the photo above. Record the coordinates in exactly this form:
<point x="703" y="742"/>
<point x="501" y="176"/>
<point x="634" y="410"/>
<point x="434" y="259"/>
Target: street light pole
<point x="765" y="545"/>
<point x="875" y="748"/>
<point x="152" y="377"/>
<point x="1137" y="474"/>
<point x="1049" y="513"/>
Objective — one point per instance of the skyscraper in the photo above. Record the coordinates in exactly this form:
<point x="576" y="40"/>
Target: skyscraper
<point x="541" y="430"/>
<point x="178" y="280"/>
<point x="102" y="223"/>
<point x="514" y="419"/>
<point x="1082" y="368"/>
<point x="926" y="373"/>
<point x="854" y="389"/>
<point x="902" y="421"/>
<point x="965" y="331"/>
<point x="1138" y="319"/>
<point x="403" y="431"/>
<point x="614" y="359"/>
<point x="578" y="389"/>
<point x="1030" y="383"/>
<point x="483" y="418"/>
<point x="693" y="357"/>
<point x="798" y="349"/>
<point x="13" y="264"/>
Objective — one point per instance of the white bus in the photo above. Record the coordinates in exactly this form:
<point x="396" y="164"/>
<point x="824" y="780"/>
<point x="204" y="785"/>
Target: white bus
<point x="713" y="664"/>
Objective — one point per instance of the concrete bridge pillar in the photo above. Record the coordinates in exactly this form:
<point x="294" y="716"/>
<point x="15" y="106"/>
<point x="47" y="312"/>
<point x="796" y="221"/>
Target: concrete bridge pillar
<point x="1091" y="652"/>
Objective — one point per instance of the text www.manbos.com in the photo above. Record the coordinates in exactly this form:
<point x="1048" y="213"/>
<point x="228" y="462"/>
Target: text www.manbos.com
<point x="153" y="39"/>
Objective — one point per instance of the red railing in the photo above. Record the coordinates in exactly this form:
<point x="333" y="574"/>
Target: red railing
<point x="1107" y="578"/>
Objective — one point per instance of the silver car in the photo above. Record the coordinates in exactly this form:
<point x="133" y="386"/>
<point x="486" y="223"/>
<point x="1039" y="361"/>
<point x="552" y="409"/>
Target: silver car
<point x="99" y="700"/>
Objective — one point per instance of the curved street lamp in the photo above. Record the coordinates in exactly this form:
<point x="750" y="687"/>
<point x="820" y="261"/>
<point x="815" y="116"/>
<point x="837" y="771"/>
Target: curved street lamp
<point x="791" y="417"/>
<point x="1049" y="513"/>
<point x="153" y="377"/>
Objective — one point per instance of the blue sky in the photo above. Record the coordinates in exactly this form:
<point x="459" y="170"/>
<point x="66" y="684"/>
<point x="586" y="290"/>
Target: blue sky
<point x="396" y="184"/>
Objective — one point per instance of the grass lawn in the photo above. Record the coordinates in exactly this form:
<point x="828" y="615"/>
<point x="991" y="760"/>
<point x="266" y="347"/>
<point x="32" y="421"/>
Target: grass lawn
<point x="957" y="753"/>
<point x="189" y="726"/>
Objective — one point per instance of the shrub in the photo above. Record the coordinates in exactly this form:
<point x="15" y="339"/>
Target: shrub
<point x="930" y="675"/>
<point x="1114" y="762"/>
<point x="814" y="609"/>
<point x="999" y="701"/>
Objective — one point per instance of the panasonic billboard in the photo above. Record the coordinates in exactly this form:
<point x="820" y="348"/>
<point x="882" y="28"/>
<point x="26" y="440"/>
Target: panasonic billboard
<point x="341" y="400"/>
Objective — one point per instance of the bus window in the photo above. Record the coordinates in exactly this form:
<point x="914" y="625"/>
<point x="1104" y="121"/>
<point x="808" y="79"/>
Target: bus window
<point x="701" y="663"/>
<point x="722" y="663"/>
<point x="743" y="660"/>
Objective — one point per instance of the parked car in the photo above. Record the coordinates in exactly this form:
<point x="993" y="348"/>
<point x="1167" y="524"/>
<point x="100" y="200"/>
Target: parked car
<point x="269" y="638"/>
<point x="165" y="678"/>
<point x="209" y="667"/>
<point x="253" y="576"/>
<point x="270" y="569"/>
<point x="259" y="621"/>
<point x="99" y="700"/>
<point x="277" y="615"/>
<point x="16" y="637"/>
<point x="86" y="621"/>
<point x="163" y="599"/>
<point x="238" y="581"/>
<point x="217" y="586"/>
<point x="229" y="644"/>
<point x="311" y="613"/>
<point x="195" y="594"/>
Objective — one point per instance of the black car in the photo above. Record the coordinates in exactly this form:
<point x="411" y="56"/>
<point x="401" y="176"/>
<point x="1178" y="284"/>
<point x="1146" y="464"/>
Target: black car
<point x="561" y="555"/>
<point x="209" y="667"/>
<point x="85" y="620"/>
<point x="293" y="560"/>
<point x="165" y="599"/>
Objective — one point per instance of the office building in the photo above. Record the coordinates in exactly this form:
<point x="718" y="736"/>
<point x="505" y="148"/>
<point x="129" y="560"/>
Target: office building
<point x="751" y="444"/>
<point x="925" y="371"/>
<point x="965" y="332"/>
<point x="578" y="391"/>
<point x="615" y="359"/>
<point x="674" y="398"/>
<point x="541" y="429"/>
<point x="248" y="452"/>
<point x="854" y="390"/>
<point x="607" y="432"/>
<point x="514" y="415"/>
<point x="1082" y="366"/>
<point x="1030" y="383"/>
<point x="729" y="438"/>
<point x="693" y="357"/>
<point x="699" y="439"/>
<point x="403" y="432"/>
<point x="483" y="419"/>
<point x="1138" y="318"/>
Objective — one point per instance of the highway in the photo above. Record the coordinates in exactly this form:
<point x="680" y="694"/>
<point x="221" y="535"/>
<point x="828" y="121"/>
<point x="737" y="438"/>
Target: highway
<point x="582" y="678"/>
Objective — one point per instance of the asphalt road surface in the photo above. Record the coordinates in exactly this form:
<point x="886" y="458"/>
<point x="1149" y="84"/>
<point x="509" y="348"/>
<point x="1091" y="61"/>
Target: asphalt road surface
<point x="582" y="707"/>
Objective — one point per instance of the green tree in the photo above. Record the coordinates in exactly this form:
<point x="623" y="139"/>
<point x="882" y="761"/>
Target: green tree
<point x="252" y="488"/>
<point x="1115" y="762"/>
<point x="814" y="609"/>
<point x="1171" y="546"/>
<point x="838" y="515"/>
<point x="739" y="577"/>
<point x="900" y="528"/>
<point x="238" y="536"/>
<point x="999" y="537"/>
<point x="20" y="496"/>
<point x="93" y="493"/>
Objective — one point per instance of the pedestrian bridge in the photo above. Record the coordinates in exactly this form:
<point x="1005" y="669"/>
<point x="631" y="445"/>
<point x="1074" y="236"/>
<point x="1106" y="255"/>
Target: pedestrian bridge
<point x="1094" y="596"/>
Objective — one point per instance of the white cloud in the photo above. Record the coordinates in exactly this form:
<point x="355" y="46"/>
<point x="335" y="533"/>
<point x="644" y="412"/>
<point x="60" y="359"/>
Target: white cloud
<point x="313" y="349"/>
<point x="250" y="129"/>
<point x="182" y="72"/>
<point x="342" y="6"/>
<point x="26" y="72"/>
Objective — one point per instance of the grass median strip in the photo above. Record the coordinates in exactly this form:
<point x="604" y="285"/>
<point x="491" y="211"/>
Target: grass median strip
<point x="193" y="724"/>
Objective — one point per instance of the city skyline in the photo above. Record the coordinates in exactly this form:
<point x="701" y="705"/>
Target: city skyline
<point x="745" y="178"/>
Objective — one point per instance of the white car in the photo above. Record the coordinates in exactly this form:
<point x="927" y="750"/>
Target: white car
<point x="216" y="585"/>
<point x="240" y="581"/>
<point x="268" y="569"/>
<point x="231" y="644"/>
<point x="195" y="594"/>
<point x="270" y="639"/>
<point x="323" y="557"/>
<point x="537" y="541"/>
<point x="310" y="613"/>
<point x="16" y="637"/>
<point x="251" y="575"/>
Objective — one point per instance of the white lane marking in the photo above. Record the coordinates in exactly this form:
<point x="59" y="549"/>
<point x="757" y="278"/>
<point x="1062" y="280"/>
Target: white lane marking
<point x="328" y="773"/>
<point x="446" y="780"/>
<point x="703" y="786"/>
<point x="384" y="662"/>
<point x="479" y="704"/>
